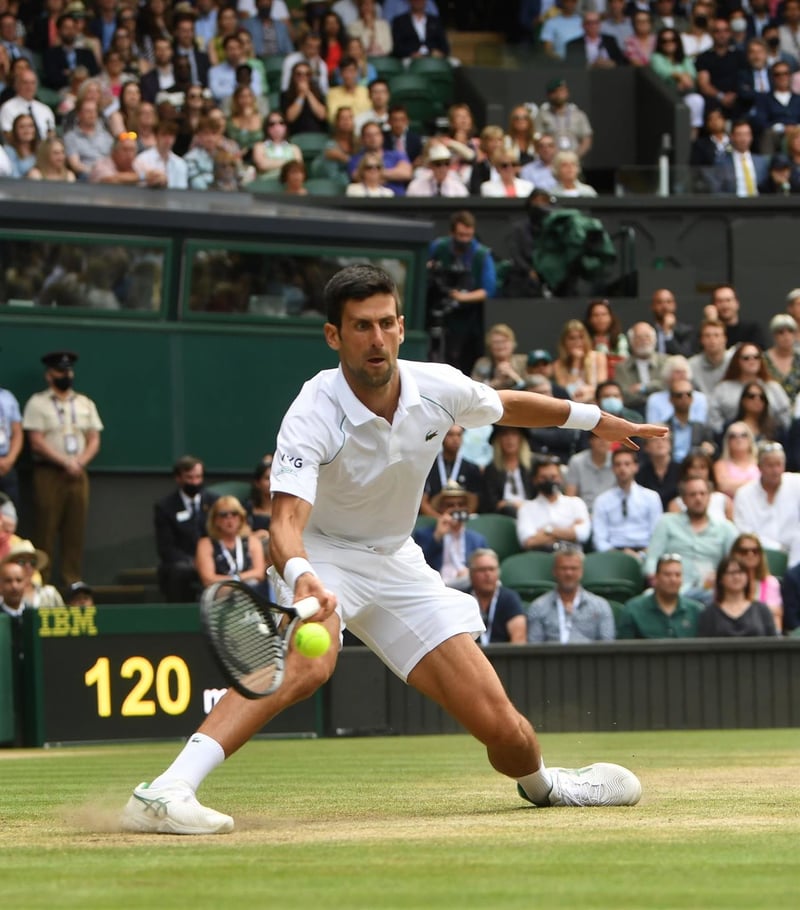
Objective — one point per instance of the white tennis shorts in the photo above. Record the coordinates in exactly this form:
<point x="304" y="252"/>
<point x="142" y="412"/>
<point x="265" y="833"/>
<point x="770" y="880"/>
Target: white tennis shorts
<point x="394" y="602"/>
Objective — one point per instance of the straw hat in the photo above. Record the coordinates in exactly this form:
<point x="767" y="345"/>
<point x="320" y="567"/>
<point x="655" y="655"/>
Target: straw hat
<point x="26" y="548"/>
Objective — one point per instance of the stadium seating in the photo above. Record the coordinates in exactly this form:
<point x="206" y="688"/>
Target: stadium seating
<point x="324" y="186"/>
<point x="616" y="609"/>
<point x="310" y="144"/>
<point x="238" y="488"/>
<point x="387" y="67"/>
<point x="424" y="521"/>
<point x="777" y="561"/>
<point x="529" y="574"/>
<point x="613" y="575"/>
<point x="500" y="532"/>
<point x="273" y="66"/>
<point x="438" y="74"/>
<point x="264" y="186"/>
<point x="414" y="93"/>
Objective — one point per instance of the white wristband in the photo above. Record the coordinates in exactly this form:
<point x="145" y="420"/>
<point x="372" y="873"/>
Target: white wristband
<point x="582" y="416"/>
<point x="294" y="568"/>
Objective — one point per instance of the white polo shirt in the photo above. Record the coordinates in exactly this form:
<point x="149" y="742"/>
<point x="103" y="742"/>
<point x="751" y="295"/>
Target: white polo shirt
<point x="776" y="522"/>
<point x="363" y="476"/>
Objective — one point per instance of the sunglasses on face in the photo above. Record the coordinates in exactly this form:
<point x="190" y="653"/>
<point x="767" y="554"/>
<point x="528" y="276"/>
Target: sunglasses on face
<point x="737" y="435"/>
<point x="750" y="357"/>
<point x="227" y="514"/>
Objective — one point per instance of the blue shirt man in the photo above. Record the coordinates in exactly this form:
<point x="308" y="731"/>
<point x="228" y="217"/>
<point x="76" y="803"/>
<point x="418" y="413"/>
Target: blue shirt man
<point x="624" y="517"/>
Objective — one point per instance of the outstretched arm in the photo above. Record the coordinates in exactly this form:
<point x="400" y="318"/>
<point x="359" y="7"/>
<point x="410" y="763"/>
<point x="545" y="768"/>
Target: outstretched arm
<point x="530" y="409"/>
<point x="289" y="517"/>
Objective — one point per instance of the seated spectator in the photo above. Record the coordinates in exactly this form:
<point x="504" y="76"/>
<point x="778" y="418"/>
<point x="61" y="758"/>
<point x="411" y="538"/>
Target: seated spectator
<point x="60" y="59"/>
<point x="625" y="515"/>
<point x="245" y="126"/>
<point x="501" y="609"/>
<point x="500" y="367"/>
<point x="699" y="538"/>
<point x="589" y="472"/>
<point x="491" y="140"/>
<point x="368" y="179"/>
<point x="417" y="33"/>
<point x="737" y="464"/>
<point x="79" y="594"/>
<point x="126" y="117"/>
<point x="638" y="49"/>
<point x="12" y="589"/>
<point x="697" y="465"/>
<point x="559" y="29"/>
<point x="509" y="186"/>
<point x="160" y="75"/>
<point x="448" y="545"/>
<point x="551" y="518"/>
<point x="222" y="78"/>
<point x="778" y="181"/>
<point x="303" y="103"/>
<point x="437" y="178"/>
<point x="605" y="330"/>
<point x="230" y="550"/>
<point x="367" y="73"/>
<point x="21" y="145"/>
<point x="609" y="396"/>
<point x="88" y="142"/>
<point x="270" y="155"/>
<point x="764" y="586"/>
<point x="460" y="133"/>
<point x="398" y="137"/>
<point x="118" y="167"/>
<point x="373" y="30"/>
<point x="770" y="506"/>
<point x="775" y="110"/>
<point x="332" y="162"/>
<point x="566" y="168"/>
<point x="160" y="166"/>
<point x="552" y="442"/>
<point x="669" y="14"/>
<point x="659" y="404"/>
<point x="199" y="160"/>
<point x="227" y="174"/>
<point x="658" y="471"/>
<point x="540" y="366"/>
<point x="451" y="465"/>
<point x="269" y="34"/>
<point x="51" y="162"/>
<point x="578" y="368"/>
<point x="308" y="52"/>
<point x="738" y="170"/>
<point x="293" y="178"/>
<point x="507" y="479"/>
<point x="112" y="75"/>
<point x="593" y="49"/>
<point x="561" y="118"/>
<point x="709" y="148"/>
<point x="642" y="373"/>
<point x="746" y="366"/>
<point x="670" y="63"/>
<point x="687" y="434"/>
<point x="662" y="612"/>
<point x="539" y="172"/>
<point x="756" y="412"/>
<point x="349" y="93"/>
<point x="783" y="358"/>
<point x="733" y="612"/>
<point x="697" y="38"/>
<point x="396" y="165"/>
<point x="718" y="70"/>
<point x="180" y="521"/>
<point x="227" y="24"/>
<point x="569" y="614"/>
<point x="378" y="111"/>
<point x="520" y="140"/>
<point x="33" y="562"/>
<point x="754" y="79"/>
<point x="333" y="35"/>
<point x="148" y="121"/>
<point x="789" y="31"/>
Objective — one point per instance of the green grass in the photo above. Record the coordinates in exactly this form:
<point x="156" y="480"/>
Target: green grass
<point x="412" y="823"/>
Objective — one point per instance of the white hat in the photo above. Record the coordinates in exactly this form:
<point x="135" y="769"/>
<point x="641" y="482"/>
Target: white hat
<point x="26" y="548"/>
<point x="439" y="152"/>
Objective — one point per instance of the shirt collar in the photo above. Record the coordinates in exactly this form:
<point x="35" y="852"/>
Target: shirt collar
<point x="358" y="413"/>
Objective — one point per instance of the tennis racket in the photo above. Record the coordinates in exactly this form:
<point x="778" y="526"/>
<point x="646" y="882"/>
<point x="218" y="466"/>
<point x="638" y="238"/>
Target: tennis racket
<point x="249" y="635"/>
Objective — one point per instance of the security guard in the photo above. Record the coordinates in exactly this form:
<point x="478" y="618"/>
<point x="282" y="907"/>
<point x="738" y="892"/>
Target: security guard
<point x="64" y="433"/>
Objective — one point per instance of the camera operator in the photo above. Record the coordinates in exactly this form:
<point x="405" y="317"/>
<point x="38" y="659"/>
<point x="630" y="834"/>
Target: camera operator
<point x="462" y="275"/>
<point x="448" y="544"/>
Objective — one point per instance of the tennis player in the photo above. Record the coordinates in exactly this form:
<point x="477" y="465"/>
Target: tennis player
<point x="353" y="453"/>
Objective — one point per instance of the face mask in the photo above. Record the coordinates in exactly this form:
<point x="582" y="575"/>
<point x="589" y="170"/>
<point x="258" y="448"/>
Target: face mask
<point x="548" y="487"/>
<point x="62" y="383"/>
<point x="773" y="43"/>
<point x="738" y="25"/>
<point x="612" y="405"/>
<point x="701" y="21"/>
<point x="191" y="489"/>
<point x="265" y="12"/>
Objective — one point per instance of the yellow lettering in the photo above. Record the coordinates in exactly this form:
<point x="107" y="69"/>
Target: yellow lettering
<point x="83" y="620"/>
<point x="44" y="622"/>
<point x="61" y="622"/>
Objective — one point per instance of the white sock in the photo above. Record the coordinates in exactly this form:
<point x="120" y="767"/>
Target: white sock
<point x="195" y="762"/>
<point x="537" y="785"/>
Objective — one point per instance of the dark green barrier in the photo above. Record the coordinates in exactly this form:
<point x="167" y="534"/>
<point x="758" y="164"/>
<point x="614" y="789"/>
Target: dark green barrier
<point x="6" y="681"/>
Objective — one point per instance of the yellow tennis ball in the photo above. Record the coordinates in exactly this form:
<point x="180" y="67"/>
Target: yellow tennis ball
<point x="312" y="639"/>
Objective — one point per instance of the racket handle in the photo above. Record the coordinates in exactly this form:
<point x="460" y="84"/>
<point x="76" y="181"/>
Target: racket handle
<point x="306" y="607"/>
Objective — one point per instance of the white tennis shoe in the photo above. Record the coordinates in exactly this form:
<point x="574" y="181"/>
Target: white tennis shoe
<point x="600" y="784"/>
<point x="173" y="809"/>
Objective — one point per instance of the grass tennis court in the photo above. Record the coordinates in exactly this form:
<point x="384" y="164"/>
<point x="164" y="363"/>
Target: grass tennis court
<point x="413" y="822"/>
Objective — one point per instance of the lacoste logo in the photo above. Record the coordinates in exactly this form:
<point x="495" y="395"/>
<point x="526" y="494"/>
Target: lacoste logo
<point x="430" y="434"/>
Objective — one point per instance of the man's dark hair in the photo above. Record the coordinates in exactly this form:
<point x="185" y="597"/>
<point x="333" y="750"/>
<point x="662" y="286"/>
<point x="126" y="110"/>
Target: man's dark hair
<point x="185" y="463"/>
<point x="462" y="217"/>
<point x="624" y="451"/>
<point x="606" y="384"/>
<point x="356" y="282"/>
